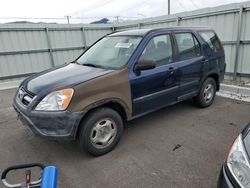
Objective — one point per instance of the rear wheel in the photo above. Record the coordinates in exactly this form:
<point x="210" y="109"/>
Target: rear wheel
<point x="100" y="131"/>
<point x="207" y="93"/>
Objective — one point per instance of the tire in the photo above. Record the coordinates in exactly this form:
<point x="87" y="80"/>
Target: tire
<point x="206" y="94"/>
<point x="100" y="131"/>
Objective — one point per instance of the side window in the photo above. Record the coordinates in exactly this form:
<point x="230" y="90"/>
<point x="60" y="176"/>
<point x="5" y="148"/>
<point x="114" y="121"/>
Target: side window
<point x="159" y="50"/>
<point x="212" y="40"/>
<point x="188" y="46"/>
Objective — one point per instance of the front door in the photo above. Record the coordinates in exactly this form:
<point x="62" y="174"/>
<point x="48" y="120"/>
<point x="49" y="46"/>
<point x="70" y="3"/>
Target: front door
<point x="157" y="87"/>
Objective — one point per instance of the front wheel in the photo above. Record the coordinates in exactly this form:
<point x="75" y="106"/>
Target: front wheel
<point x="206" y="94"/>
<point x="100" y="131"/>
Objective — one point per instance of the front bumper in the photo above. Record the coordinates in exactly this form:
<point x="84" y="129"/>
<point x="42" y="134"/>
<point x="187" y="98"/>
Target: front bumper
<point x="60" y="125"/>
<point x="223" y="180"/>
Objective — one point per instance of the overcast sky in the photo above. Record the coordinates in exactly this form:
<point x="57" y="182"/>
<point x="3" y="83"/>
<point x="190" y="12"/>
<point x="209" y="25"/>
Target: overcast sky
<point x="96" y="9"/>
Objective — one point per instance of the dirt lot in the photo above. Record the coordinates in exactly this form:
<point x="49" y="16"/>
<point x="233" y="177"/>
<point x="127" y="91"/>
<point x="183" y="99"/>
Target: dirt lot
<point x="145" y="156"/>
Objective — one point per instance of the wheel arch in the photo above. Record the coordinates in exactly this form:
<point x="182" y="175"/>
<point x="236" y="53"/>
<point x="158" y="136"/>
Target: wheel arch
<point x="213" y="75"/>
<point x="115" y="104"/>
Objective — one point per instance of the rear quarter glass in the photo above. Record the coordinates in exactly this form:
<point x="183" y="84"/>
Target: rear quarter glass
<point x="211" y="40"/>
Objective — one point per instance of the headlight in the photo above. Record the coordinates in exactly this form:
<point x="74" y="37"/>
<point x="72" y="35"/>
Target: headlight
<point x="238" y="163"/>
<point x="57" y="100"/>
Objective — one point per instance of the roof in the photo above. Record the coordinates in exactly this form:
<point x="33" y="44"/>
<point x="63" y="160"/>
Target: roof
<point x="142" y="32"/>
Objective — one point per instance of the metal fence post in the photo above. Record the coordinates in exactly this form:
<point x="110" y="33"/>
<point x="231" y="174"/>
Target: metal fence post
<point x="84" y="38"/>
<point x="178" y="19"/>
<point x="139" y="25"/>
<point x="50" y="47"/>
<point x="237" y="50"/>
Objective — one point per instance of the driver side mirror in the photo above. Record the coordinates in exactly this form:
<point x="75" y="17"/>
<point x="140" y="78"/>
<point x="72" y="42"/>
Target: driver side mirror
<point x="144" y="65"/>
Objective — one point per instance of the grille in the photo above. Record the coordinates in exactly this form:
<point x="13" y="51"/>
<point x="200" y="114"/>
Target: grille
<point x="24" y="96"/>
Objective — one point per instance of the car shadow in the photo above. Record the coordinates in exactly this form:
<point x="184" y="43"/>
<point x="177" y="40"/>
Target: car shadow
<point x="71" y="149"/>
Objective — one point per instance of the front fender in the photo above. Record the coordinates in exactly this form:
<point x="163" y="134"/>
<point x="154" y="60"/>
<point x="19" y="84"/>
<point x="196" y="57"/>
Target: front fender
<point x="113" y="87"/>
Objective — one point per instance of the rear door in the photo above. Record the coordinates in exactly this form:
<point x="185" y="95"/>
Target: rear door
<point x="155" y="88"/>
<point x="214" y="53"/>
<point x="190" y="63"/>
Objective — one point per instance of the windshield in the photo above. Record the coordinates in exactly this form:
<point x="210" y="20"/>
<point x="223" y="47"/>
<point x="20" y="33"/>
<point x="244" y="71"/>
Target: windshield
<point x="110" y="52"/>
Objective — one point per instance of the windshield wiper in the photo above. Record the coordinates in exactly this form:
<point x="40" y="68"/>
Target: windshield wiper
<point x="75" y="62"/>
<point x="92" y="65"/>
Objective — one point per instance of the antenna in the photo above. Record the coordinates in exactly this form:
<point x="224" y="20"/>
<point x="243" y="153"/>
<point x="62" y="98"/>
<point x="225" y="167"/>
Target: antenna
<point x="168" y="7"/>
<point x="68" y="18"/>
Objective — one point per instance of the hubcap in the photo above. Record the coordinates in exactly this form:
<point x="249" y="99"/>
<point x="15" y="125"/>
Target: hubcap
<point x="208" y="93"/>
<point x="103" y="133"/>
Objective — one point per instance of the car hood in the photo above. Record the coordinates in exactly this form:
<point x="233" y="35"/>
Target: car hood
<point x="63" y="76"/>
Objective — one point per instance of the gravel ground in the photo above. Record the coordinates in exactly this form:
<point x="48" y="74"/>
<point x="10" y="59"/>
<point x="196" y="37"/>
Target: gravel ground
<point x="179" y="146"/>
<point x="237" y="83"/>
<point x="235" y="96"/>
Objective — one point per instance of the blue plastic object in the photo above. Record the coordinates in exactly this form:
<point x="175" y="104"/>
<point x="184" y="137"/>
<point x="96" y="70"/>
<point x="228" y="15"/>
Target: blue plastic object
<point x="49" y="179"/>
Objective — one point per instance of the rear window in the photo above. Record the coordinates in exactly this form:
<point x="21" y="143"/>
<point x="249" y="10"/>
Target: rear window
<point x="212" y="40"/>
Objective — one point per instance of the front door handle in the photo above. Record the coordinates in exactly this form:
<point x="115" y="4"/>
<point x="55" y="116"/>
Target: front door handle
<point x="171" y="70"/>
<point x="204" y="61"/>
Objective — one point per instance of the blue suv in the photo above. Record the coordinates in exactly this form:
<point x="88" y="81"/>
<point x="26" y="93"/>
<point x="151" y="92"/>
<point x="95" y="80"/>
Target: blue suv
<point x="122" y="76"/>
